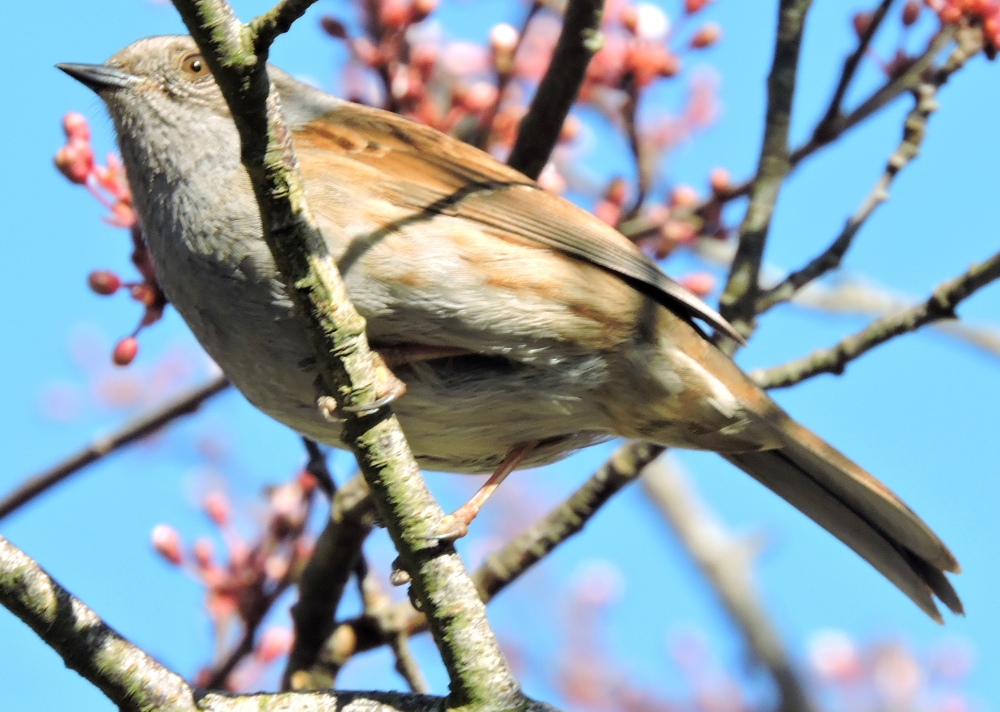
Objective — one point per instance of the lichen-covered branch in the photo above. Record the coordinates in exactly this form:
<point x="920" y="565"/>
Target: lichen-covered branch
<point x="129" y="677"/>
<point x="480" y="676"/>
<point x="539" y="131"/>
<point x="143" y="426"/>
<point x="738" y="299"/>
<point x="727" y="563"/>
<point x="940" y="305"/>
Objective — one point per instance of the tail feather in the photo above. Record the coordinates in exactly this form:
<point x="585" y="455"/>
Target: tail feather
<point x="861" y="512"/>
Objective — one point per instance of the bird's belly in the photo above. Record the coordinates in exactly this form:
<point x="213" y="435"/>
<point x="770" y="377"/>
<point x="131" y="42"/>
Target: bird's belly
<point x="461" y="414"/>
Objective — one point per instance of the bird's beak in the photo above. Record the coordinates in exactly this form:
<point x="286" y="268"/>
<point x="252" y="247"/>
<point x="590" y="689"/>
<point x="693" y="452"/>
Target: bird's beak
<point x="98" y="77"/>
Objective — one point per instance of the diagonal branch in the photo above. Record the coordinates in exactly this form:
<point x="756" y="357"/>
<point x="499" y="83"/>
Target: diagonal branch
<point x="325" y="577"/>
<point x="914" y="130"/>
<point x="129" y="677"/>
<point x="580" y="38"/>
<point x="835" y="108"/>
<point x="141" y="427"/>
<point x="737" y="301"/>
<point x="505" y="566"/>
<point x="350" y="372"/>
<point x="726" y="562"/>
<point x="940" y="305"/>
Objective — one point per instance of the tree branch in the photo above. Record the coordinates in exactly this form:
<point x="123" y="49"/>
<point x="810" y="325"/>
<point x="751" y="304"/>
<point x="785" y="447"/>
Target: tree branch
<point x="325" y="577"/>
<point x="236" y="55"/>
<point x="914" y="129"/>
<point x="141" y="427"/>
<point x="737" y="301"/>
<point x="505" y="566"/>
<point x="940" y="305"/>
<point x="128" y="676"/>
<point x="539" y="131"/>
<point x="835" y="108"/>
<point x="726" y="562"/>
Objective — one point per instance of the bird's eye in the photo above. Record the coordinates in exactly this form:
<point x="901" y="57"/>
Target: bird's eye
<point x="194" y="65"/>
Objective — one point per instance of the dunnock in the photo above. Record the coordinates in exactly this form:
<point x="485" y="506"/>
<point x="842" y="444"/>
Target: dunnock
<point x="523" y="327"/>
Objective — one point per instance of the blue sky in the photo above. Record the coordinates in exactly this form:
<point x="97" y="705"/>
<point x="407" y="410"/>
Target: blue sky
<point x="920" y="413"/>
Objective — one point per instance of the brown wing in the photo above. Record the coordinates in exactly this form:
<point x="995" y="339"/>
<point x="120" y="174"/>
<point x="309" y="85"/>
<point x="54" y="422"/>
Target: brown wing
<point x="427" y="170"/>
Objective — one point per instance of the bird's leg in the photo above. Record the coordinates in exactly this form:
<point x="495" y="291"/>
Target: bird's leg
<point x="456" y="524"/>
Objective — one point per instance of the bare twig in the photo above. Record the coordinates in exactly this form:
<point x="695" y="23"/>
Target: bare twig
<point x="940" y="305"/>
<point x="642" y="163"/>
<point x="737" y="301"/>
<point x="727" y="564"/>
<point x="325" y="577"/>
<point x="276" y="21"/>
<point x="129" y="677"/>
<point x="406" y="664"/>
<point x="835" y="109"/>
<point x="914" y="129"/>
<point x="504" y="74"/>
<point x="478" y="670"/>
<point x="141" y="427"/>
<point x="539" y="131"/>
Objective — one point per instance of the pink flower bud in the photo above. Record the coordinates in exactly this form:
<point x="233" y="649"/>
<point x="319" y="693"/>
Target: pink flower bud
<point x="693" y="6"/>
<point x="393" y="14"/>
<point x="607" y="212"/>
<point x="503" y="38"/>
<point x="75" y="160"/>
<point x="706" y="36"/>
<point x="125" y="351"/>
<point x="203" y="552"/>
<point x="422" y="8"/>
<point x="478" y="97"/>
<point x="142" y="293"/>
<point x="75" y="126"/>
<point x="216" y="506"/>
<point x="700" y="283"/>
<point x="167" y="543"/>
<point x="718" y="179"/>
<point x="103" y="282"/>
<point x="683" y="196"/>
<point x="274" y="643"/>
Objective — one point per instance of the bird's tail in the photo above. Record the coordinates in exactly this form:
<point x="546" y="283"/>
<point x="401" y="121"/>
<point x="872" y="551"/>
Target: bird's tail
<point x="857" y="509"/>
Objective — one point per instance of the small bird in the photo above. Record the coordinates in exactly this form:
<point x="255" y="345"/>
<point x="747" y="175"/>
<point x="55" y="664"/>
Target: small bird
<point x="523" y="327"/>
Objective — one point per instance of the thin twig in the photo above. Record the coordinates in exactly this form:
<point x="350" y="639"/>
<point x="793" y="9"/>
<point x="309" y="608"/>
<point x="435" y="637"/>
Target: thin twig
<point x="940" y="305"/>
<point x="740" y="294"/>
<point x="278" y="20"/>
<point x="727" y="563"/>
<point x="539" y="131"/>
<point x="642" y="167"/>
<point x="835" y="108"/>
<point x="504" y="75"/>
<point x="406" y="664"/>
<point x="914" y="129"/>
<point x="135" y="430"/>
<point x="325" y="576"/>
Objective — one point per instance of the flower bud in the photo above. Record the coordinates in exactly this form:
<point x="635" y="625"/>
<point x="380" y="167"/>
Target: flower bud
<point x="911" y="12"/>
<point x="706" y="36"/>
<point x="683" y="196"/>
<point x="693" y="6"/>
<point x="422" y="8"/>
<point x="333" y="27"/>
<point x="216" y="506"/>
<point x="125" y="351"/>
<point x="700" y="283"/>
<point x="274" y="643"/>
<point x="103" y="282"/>
<point x="861" y="21"/>
<point x="718" y="180"/>
<point x="75" y="126"/>
<point x="167" y="543"/>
